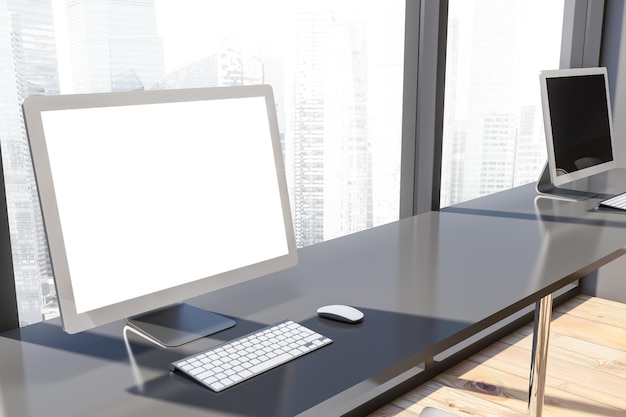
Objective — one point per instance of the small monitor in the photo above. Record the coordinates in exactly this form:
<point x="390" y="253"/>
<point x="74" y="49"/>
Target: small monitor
<point x="578" y="125"/>
<point x="150" y="198"/>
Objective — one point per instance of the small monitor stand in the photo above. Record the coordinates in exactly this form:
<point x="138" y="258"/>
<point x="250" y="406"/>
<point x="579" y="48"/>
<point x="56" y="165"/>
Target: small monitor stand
<point x="547" y="189"/>
<point x="178" y="324"/>
<point x="599" y="186"/>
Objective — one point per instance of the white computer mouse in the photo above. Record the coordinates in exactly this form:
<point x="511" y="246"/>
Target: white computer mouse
<point x="340" y="312"/>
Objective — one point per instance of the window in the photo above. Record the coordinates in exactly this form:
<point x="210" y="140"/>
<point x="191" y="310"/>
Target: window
<point x="336" y="69"/>
<point x="493" y="136"/>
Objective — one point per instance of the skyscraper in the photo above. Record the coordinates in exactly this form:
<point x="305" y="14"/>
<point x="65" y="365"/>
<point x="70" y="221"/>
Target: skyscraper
<point x="330" y="148"/>
<point x="531" y="146"/>
<point x="493" y="136"/>
<point x="491" y="124"/>
<point x="232" y="65"/>
<point x="28" y="64"/>
<point x="114" y="45"/>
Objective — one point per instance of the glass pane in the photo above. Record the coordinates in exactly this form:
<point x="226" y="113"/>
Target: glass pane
<point x="493" y="136"/>
<point x="336" y="69"/>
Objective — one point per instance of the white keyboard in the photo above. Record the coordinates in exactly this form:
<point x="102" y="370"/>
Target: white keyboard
<point x="238" y="360"/>
<point x="617" y="202"/>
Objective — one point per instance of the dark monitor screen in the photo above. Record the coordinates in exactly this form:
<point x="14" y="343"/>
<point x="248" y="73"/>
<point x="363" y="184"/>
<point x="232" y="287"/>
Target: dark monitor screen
<point x="578" y="123"/>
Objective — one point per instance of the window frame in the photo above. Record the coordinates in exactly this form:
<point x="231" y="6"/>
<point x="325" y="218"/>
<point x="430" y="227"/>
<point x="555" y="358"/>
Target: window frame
<point x="9" y="316"/>
<point x="424" y="88"/>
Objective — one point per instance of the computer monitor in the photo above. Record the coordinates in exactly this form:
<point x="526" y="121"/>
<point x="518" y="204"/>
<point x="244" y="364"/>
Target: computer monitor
<point x="153" y="197"/>
<point x="578" y="125"/>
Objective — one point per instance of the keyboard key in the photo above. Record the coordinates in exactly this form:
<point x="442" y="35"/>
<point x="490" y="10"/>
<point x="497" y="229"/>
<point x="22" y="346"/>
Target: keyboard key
<point x="264" y="366"/>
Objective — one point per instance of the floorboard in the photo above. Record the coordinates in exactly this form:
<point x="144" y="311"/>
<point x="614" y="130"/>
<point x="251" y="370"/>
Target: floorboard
<point x="586" y="371"/>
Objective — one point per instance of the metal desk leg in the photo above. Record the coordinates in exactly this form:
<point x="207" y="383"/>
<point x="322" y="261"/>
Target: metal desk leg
<point x="541" y="333"/>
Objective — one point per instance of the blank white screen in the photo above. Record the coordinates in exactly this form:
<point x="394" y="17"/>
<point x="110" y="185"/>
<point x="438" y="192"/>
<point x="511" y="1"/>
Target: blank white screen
<point x="154" y="196"/>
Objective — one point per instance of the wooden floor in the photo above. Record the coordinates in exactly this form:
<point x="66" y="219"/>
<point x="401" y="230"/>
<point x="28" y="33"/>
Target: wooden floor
<point x="586" y="371"/>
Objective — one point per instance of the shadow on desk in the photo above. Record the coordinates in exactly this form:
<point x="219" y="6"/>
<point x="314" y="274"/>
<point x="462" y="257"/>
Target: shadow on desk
<point x="50" y="334"/>
<point x="105" y="343"/>
<point x="366" y="355"/>
<point x="383" y="341"/>
<point x="618" y="221"/>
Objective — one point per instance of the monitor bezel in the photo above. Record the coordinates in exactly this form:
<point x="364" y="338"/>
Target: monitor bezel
<point x="73" y="321"/>
<point x="563" y="179"/>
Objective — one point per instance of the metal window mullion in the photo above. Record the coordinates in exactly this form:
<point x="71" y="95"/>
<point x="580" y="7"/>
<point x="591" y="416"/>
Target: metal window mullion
<point x="422" y="118"/>
<point x="582" y="33"/>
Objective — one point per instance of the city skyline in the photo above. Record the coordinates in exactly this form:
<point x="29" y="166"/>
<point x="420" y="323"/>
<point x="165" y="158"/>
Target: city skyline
<point x="325" y="131"/>
<point x="493" y="136"/>
<point x="337" y="78"/>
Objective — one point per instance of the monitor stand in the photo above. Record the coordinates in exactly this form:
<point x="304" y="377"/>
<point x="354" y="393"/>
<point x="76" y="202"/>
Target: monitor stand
<point x="178" y="324"/>
<point x="547" y="189"/>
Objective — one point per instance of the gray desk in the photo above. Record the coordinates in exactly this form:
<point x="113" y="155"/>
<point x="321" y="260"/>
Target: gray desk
<point x="551" y="215"/>
<point x="425" y="284"/>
